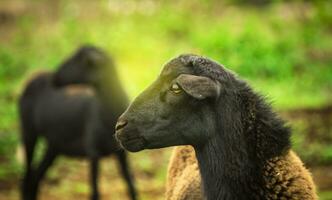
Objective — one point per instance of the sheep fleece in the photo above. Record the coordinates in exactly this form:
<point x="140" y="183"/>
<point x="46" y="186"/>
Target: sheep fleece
<point x="183" y="178"/>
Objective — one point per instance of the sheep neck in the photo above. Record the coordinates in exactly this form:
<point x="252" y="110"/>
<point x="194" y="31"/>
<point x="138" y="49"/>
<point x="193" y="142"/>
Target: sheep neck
<point x="111" y="97"/>
<point x="231" y="162"/>
<point x="110" y="91"/>
<point x="226" y="172"/>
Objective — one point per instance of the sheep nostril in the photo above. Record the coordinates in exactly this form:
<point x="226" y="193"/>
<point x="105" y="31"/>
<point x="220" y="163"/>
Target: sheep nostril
<point x="120" y="124"/>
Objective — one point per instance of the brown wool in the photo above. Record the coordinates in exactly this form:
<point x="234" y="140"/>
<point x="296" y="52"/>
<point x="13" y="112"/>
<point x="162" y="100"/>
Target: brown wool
<point x="183" y="177"/>
<point x="285" y="177"/>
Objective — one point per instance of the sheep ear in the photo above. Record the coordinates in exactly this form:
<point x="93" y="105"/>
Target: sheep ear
<point x="199" y="87"/>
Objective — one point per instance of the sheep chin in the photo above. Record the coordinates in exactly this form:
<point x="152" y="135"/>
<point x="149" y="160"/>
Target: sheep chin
<point x="133" y="145"/>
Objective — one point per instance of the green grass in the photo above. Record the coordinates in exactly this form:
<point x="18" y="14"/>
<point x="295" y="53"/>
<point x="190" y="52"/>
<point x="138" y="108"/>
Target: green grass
<point x="326" y="195"/>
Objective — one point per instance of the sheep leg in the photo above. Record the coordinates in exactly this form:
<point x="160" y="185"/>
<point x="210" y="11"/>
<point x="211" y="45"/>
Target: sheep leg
<point x="29" y="146"/>
<point x="39" y="174"/>
<point x="124" y="167"/>
<point x="94" y="177"/>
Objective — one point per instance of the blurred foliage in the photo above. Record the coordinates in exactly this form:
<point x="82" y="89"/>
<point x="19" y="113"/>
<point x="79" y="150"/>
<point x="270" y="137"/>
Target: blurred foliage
<point x="283" y="48"/>
<point x="312" y="136"/>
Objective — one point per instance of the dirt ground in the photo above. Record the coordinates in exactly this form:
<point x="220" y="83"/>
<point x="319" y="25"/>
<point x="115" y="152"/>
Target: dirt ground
<point x="68" y="179"/>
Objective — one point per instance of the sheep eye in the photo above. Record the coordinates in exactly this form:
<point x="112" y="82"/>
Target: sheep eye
<point x="175" y="88"/>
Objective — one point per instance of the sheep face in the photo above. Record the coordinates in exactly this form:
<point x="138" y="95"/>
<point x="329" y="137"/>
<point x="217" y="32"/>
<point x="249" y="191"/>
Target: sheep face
<point x="177" y="109"/>
<point x="85" y="66"/>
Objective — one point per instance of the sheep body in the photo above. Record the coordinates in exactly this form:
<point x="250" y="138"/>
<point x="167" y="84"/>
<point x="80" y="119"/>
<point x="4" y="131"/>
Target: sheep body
<point x="183" y="177"/>
<point x="55" y="112"/>
<point x="286" y="178"/>
<point x="284" y="175"/>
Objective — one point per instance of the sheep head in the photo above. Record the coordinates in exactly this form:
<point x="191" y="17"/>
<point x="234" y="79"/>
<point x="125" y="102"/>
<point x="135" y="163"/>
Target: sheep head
<point x="176" y="109"/>
<point x="86" y="66"/>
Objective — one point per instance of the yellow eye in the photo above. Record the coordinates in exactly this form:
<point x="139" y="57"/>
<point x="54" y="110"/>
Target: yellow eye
<point x="176" y="88"/>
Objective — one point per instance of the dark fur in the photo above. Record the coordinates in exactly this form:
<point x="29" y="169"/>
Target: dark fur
<point x="78" y="124"/>
<point x="234" y="133"/>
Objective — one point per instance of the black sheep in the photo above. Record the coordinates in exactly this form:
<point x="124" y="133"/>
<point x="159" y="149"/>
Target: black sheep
<point x="242" y="147"/>
<point x="74" y="120"/>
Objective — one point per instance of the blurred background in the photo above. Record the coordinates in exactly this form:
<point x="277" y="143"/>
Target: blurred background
<point x="283" y="48"/>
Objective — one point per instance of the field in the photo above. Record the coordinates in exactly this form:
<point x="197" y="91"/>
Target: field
<point x="282" y="48"/>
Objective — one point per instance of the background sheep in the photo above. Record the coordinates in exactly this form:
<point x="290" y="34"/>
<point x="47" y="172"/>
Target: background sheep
<point x="75" y="121"/>
<point x="242" y="147"/>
